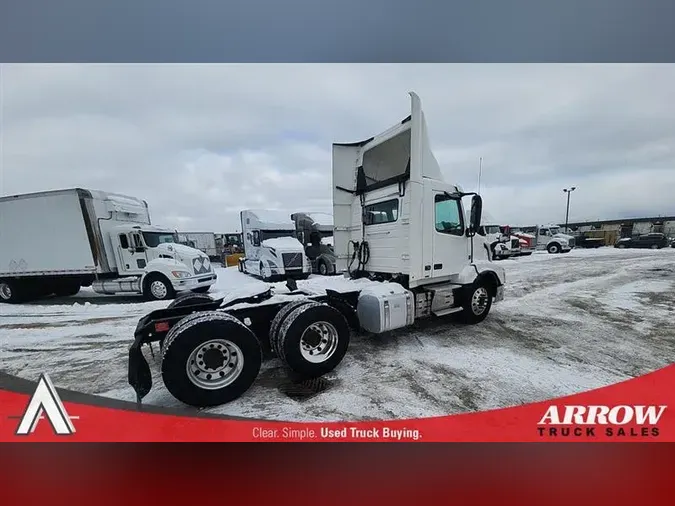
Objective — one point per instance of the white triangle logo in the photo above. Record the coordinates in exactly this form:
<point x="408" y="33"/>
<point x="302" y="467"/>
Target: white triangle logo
<point x="45" y="400"/>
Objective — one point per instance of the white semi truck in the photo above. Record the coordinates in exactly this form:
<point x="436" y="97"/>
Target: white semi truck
<point x="398" y="226"/>
<point x="55" y="242"/>
<point x="271" y="249"/>
<point x="549" y="238"/>
<point x="499" y="238"/>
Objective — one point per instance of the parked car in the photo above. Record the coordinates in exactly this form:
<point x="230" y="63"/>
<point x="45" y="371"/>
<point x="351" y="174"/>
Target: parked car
<point x="653" y="241"/>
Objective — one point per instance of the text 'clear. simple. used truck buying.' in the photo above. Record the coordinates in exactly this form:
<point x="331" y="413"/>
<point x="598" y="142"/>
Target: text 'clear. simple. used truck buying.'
<point x="55" y="242"/>
<point x="401" y="238"/>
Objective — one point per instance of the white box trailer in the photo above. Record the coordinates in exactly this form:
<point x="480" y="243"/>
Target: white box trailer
<point x="203" y="241"/>
<point x="407" y="252"/>
<point x="55" y="242"/>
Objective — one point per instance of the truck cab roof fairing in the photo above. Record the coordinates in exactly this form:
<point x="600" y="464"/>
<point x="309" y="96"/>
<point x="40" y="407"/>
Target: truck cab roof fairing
<point x="398" y="154"/>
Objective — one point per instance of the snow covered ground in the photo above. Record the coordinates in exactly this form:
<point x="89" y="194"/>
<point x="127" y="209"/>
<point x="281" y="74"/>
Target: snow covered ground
<point x="568" y="323"/>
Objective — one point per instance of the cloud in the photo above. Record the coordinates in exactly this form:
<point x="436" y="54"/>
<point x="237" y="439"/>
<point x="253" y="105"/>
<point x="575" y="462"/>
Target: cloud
<point x="202" y="142"/>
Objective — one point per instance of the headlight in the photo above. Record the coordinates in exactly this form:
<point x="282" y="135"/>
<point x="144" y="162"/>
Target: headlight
<point x="180" y="274"/>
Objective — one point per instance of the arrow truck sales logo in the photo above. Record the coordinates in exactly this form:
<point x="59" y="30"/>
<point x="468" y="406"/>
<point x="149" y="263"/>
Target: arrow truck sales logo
<point x="610" y="421"/>
<point x="46" y="401"/>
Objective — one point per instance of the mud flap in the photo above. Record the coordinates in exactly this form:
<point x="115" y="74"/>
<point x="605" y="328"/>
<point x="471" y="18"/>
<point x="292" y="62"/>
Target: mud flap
<point x="140" y="377"/>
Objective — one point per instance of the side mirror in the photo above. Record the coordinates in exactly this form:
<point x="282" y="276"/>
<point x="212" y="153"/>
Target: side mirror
<point x="476" y="213"/>
<point x="507" y="231"/>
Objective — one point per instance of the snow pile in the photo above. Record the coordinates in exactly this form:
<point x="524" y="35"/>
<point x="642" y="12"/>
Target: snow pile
<point x="273" y="219"/>
<point x="284" y="243"/>
<point x="324" y="219"/>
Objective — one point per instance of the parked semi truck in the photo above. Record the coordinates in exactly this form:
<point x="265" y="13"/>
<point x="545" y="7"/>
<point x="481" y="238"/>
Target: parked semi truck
<point x="55" y="242"/>
<point x="315" y="232"/>
<point x="271" y="249"/>
<point x="401" y="240"/>
<point x="549" y="238"/>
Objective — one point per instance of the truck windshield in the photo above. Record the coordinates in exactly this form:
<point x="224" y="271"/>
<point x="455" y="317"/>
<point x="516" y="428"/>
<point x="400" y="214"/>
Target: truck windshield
<point x="154" y="239"/>
<point x="554" y="230"/>
<point x="492" y="229"/>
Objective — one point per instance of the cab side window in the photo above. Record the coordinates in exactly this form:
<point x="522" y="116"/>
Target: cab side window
<point x="448" y="214"/>
<point x="382" y="212"/>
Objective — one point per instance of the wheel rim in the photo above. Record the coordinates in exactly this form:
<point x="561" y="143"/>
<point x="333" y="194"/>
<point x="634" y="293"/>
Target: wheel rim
<point x="554" y="249"/>
<point x="5" y="291"/>
<point x="158" y="289"/>
<point x="318" y="342"/>
<point x="215" y="364"/>
<point x="655" y="246"/>
<point x="479" y="301"/>
<point x="323" y="270"/>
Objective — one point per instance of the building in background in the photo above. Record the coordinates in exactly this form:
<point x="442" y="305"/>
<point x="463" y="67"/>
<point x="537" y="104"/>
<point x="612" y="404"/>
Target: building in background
<point x="613" y="230"/>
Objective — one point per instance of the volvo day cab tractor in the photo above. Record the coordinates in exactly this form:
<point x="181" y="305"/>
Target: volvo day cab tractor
<point x="404" y="246"/>
<point x="55" y="242"/>
<point x="315" y="232"/>
<point x="271" y="249"/>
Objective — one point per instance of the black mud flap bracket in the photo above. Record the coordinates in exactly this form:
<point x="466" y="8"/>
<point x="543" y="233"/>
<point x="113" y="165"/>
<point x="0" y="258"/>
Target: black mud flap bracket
<point x="140" y="377"/>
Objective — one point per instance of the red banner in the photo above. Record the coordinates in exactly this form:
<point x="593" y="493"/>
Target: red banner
<point x="635" y="410"/>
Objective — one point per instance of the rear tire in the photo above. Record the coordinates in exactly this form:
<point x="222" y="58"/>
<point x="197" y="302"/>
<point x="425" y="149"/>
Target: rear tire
<point x="313" y="340"/>
<point x="210" y="358"/>
<point x="157" y="287"/>
<point x="67" y="290"/>
<point x="323" y="268"/>
<point x="477" y="302"/>
<point x="279" y="320"/>
<point x="10" y="292"/>
<point x="189" y="299"/>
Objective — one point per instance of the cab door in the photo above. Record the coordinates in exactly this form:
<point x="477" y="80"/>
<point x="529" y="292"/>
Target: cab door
<point x="132" y="252"/>
<point x="448" y="231"/>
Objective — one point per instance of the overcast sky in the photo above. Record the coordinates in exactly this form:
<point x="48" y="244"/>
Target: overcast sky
<point x="202" y="142"/>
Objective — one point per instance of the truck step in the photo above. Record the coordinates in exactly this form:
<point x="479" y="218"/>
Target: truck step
<point x="445" y="312"/>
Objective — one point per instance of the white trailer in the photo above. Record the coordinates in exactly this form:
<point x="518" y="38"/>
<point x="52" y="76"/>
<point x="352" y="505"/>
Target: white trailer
<point x="203" y="241"/>
<point x="271" y="248"/>
<point x="55" y="242"/>
<point x="396" y="223"/>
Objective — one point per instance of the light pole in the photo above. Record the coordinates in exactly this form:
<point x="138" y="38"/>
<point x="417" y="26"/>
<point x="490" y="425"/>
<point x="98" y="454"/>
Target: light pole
<point x="567" y="213"/>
